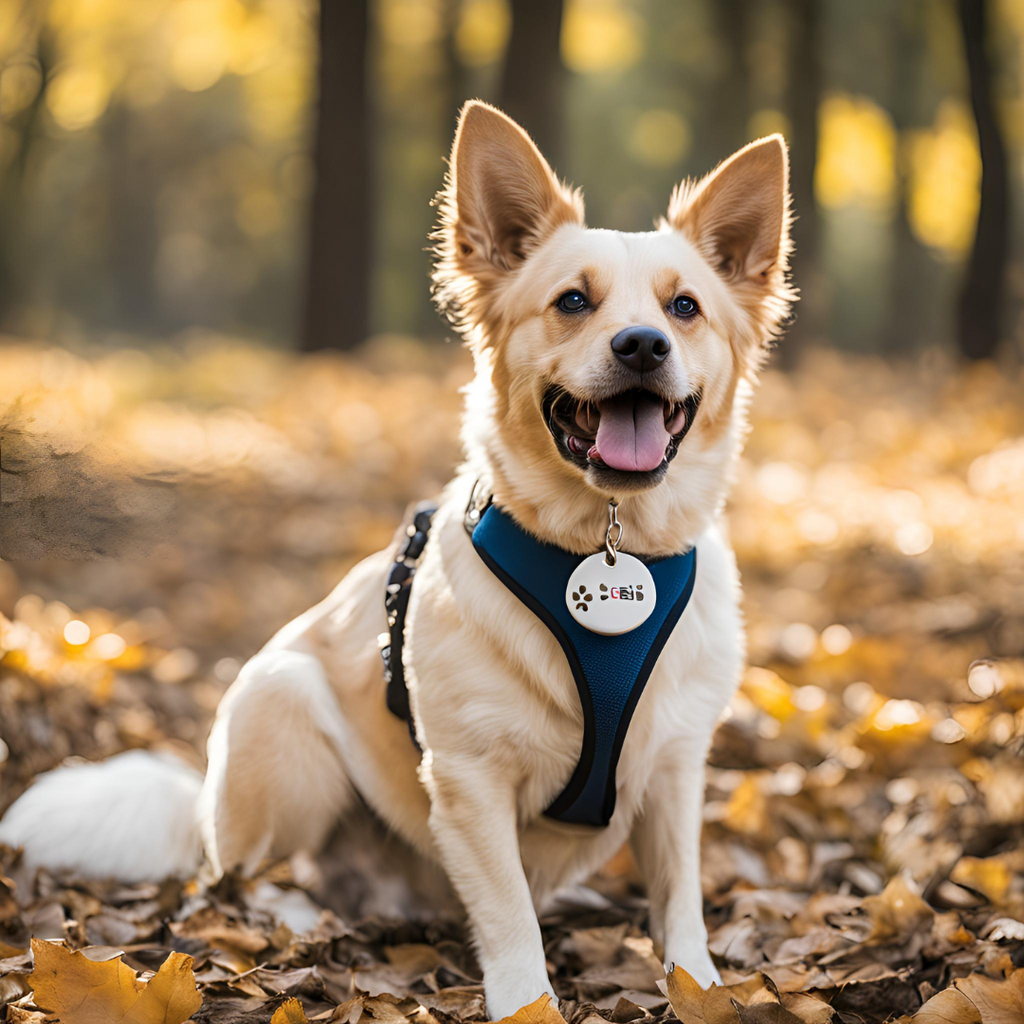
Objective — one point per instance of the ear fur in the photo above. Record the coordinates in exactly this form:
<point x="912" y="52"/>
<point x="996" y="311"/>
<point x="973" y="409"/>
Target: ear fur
<point x="739" y="217"/>
<point x="500" y="200"/>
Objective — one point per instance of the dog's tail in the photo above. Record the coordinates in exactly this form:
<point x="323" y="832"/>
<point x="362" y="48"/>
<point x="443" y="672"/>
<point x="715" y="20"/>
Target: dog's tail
<point x="131" y="817"/>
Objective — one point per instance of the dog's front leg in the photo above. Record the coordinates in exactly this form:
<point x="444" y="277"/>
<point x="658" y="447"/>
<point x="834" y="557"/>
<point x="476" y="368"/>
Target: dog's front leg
<point x="473" y="819"/>
<point x="666" y="842"/>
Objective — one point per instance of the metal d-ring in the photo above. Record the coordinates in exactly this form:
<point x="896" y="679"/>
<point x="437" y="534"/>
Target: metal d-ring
<point x="614" y="528"/>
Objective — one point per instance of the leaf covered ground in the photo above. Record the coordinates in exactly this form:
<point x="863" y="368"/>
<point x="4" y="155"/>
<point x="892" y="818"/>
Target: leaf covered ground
<point x="164" y="511"/>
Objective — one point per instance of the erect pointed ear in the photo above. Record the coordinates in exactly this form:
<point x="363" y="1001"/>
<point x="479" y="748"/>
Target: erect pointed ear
<point x="738" y="215"/>
<point x="503" y="198"/>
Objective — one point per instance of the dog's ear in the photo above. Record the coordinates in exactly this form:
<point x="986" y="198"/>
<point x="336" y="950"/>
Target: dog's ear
<point x="738" y="215"/>
<point x="507" y="198"/>
<point x="500" y="201"/>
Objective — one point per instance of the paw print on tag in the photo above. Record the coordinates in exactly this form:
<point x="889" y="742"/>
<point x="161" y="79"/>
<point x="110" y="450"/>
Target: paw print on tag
<point x="583" y="598"/>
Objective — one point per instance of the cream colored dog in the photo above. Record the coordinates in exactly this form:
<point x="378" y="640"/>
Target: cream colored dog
<point x="556" y="423"/>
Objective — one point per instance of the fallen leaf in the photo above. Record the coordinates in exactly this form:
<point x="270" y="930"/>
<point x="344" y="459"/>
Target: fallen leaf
<point x="896" y="913"/>
<point x="807" y="1008"/>
<point x="717" y="1004"/>
<point x="291" y="1011"/>
<point x="83" y="991"/>
<point x="999" y="1002"/>
<point x="988" y="875"/>
<point x="948" y="1007"/>
<point x="766" y="1013"/>
<point x="217" y="929"/>
<point x="540" y="1011"/>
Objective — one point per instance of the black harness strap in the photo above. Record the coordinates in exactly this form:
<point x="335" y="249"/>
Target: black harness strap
<point x="396" y="603"/>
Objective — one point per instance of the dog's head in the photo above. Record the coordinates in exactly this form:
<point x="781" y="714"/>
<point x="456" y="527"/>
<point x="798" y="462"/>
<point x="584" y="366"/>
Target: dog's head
<point x="607" y="361"/>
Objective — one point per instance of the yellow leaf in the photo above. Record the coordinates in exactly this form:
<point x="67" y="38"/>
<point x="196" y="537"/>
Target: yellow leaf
<point x="290" y="1011"/>
<point x="83" y="991"/>
<point x="540" y="1011"/>
<point x="988" y="875"/>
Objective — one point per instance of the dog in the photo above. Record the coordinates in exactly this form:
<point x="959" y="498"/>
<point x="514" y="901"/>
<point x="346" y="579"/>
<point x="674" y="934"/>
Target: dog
<point x="610" y="367"/>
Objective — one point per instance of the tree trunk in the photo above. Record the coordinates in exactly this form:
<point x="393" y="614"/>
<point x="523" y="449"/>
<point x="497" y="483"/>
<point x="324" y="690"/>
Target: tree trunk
<point x="907" y="322"/>
<point x="338" y="278"/>
<point x="803" y="96"/>
<point x="532" y="84"/>
<point x="727" y="126"/>
<point x="26" y="126"/>
<point x="981" y="299"/>
<point x="456" y="82"/>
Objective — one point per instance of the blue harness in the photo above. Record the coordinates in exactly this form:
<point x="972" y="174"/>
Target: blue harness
<point x="610" y="671"/>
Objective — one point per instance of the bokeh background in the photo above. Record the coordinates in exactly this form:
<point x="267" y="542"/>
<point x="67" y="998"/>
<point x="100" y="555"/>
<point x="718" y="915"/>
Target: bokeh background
<point x="222" y="383"/>
<point x="160" y="160"/>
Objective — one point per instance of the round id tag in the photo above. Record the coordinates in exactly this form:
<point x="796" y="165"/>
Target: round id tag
<point x="611" y="599"/>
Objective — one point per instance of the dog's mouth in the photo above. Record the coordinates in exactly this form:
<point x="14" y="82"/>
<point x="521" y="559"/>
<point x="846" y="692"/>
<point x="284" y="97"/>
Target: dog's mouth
<point x="635" y="432"/>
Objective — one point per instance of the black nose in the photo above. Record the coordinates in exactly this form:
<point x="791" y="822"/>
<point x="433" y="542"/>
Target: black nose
<point x="640" y="348"/>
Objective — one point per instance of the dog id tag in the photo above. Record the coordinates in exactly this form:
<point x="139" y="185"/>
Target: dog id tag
<point x="610" y="599"/>
<point x="611" y="593"/>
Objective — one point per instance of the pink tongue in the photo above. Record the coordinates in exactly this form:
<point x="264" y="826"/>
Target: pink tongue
<point x="631" y="435"/>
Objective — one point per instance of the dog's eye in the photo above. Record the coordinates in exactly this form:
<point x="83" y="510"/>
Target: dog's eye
<point x="683" y="305"/>
<point x="572" y="302"/>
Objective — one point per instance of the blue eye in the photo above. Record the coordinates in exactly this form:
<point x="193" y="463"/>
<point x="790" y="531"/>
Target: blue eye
<point x="572" y="302"/>
<point x="683" y="305"/>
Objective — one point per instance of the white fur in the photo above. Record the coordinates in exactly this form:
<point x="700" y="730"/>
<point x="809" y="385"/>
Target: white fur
<point x="496" y="711"/>
<point x="132" y="817"/>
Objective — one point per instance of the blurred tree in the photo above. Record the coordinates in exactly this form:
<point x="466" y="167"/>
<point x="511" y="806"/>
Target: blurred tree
<point x="906" y="325"/>
<point x="981" y="300"/>
<point x="38" y="51"/>
<point x="728" y="106"/>
<point x="533" y="81"/>
<point x="133" y="231"/>
<point x="456" y="81"/>
<point x="803" y="98"/>
<point x="338" y="275"/>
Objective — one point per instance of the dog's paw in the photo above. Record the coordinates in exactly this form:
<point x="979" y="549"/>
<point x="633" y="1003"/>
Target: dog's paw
<point x="507" y="995"/>
<point x="698" y="964"/>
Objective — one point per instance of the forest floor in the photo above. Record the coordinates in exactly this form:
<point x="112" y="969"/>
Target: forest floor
<point x="164" y="511"/>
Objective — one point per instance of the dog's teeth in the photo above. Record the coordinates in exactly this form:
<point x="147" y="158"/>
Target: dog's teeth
<point x="587" y="418"/>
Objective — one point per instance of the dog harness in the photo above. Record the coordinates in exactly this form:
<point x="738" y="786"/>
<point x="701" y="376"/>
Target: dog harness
<point x="610" y="672"/>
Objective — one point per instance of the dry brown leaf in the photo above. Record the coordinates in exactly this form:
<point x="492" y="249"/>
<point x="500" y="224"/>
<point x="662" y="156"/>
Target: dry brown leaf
<point x="389" y="1008"/>
<point x="717" y="1004"/>
<point x="807" y="1008"/>
<point x="540" y="1011"/>
<point x="896" y="913"/>
<point x="998" y="1002"/>
<point x="210" y="925"/>
<point x="766" y="1013"/>
<point x="948" y="1007"/>
<point x="689" y="1001"/>
<point x="291" y="1011"/>
<point x="84" y="991"/>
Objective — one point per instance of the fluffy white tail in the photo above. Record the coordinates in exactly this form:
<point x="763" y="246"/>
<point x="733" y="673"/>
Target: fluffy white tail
<point x="131" y="817"/>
